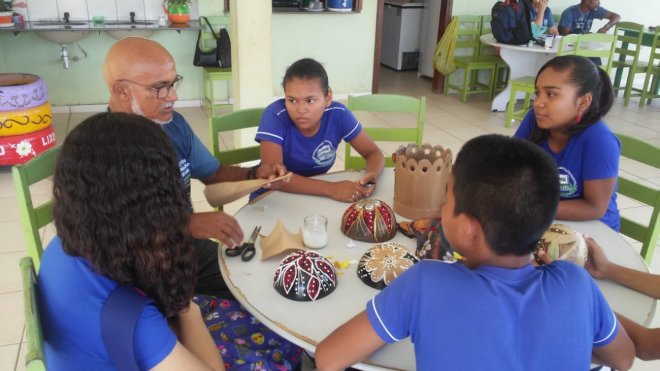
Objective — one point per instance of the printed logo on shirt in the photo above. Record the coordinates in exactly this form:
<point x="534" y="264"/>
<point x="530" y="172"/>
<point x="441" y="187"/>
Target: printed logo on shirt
<point x="184" y="169"/>
<point x="567" y="184"/>
<point x="324" y="154"/>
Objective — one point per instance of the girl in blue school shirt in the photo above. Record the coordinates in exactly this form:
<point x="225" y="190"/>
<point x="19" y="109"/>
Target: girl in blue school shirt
<point x="304" y="130"/>
<point x="542" y="20"/>
<point x="572" y="96"/>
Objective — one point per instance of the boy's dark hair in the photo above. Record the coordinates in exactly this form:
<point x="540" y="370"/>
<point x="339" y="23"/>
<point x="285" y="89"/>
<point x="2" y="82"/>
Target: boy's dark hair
<point x="119" y="203"/>
<point x="511" y="187"/>
<point x="587" y="78"/>
<point x="307" y="69"/>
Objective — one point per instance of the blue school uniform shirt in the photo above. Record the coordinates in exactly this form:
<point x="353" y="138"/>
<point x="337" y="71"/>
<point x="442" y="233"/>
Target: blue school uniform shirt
<point x="308" y="156"/>
<point x="590" y="154"/>
<point x="546" y="318"/>
<point x="548" y="21"/>
<point x="71" y="297"/>
<point x="578" y="22"/>
<point x="195" y="160"/>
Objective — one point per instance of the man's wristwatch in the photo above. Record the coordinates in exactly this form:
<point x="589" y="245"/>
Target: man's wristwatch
<point x="252" y="173"/>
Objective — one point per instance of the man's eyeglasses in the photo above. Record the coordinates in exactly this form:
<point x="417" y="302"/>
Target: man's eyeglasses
<point x="162" y="91"/>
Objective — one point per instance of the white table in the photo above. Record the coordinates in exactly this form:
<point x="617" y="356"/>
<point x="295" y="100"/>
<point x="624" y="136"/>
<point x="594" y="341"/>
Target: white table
<point x="307" y="323"/>
<point x="522" y="60"/>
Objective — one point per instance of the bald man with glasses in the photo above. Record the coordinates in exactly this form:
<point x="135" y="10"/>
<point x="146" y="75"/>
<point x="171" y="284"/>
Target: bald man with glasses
<point x="141" y="77"/>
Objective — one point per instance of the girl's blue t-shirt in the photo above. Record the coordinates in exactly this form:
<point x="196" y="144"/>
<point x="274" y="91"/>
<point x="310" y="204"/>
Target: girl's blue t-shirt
<point x="71" y="297"/>
<point x="548" y="21"/>
<point x="589" y="155"/>
<point x="308" y="156"/>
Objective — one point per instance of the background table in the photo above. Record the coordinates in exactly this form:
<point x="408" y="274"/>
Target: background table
<point x="522" y="60"/>
<point x="307" y="323"/>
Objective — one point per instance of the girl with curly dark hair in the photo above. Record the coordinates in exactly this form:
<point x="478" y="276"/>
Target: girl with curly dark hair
<point x="122" y="218"/>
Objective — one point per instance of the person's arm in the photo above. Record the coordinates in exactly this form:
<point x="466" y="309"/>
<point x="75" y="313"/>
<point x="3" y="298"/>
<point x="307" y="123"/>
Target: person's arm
<point x="593" y="205"/>
<point x="618" y="354"/>
<point x="600" y="267"/>
<point x="350" y="343"/>
<point x="565" y="22"/>
<point x="553" y="31"/>
<point x="647" y="341"/>
<point x="195" y="349"/>
<point x="540" y="14"/>
<point x="271" y="153"/>
<point x="374" y="158"/>
<point x="613" y="19"/>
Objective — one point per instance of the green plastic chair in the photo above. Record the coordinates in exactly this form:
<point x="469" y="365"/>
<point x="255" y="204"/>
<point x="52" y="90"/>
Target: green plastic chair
<point x="648" y="154"/>
<point x="585" y="43"/>
<point x="652" y="70"/>
<point x="212" y="74"/>
<point x="237" y="120"/>
<point x="34" y="359"/>
<point x="34" y="217"/>
<point x="629" y="43"/>
<point x="386" y="103"/>
<point x="467" y="39"/>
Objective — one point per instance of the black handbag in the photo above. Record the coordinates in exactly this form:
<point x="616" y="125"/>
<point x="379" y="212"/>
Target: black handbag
<point x="218" y="57"/>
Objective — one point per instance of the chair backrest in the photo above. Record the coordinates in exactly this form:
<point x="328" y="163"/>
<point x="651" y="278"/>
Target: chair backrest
<point x="34" y="357"/>
<point x="467" y="35"/>
<point x="653" y="66"/>
<point x="207" y="41"/>
<point x="387" y="103"/>
<point x="596" y="45"/>
<point x="648" y="154"/>
<point x="629" y="40"/>
<point x="484" y="48"/>
<point x="236" y="120"/>
<point x="34" y="217"/>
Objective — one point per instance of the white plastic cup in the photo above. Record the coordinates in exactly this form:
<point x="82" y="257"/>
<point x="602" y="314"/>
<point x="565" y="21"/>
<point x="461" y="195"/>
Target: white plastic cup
<point x="315" y="231"/>
<point x="162" y="21"/>
<point x="549" y="41"/>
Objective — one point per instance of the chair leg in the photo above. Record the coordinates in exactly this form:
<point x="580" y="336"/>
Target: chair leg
<point x="627" y="93"/>
<point x="509" y="108"/>
<point x="467" y="74"/>
<point x="491" y="83"/>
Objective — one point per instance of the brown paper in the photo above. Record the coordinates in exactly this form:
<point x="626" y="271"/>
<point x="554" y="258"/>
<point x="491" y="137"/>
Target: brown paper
<point x="280" y="240"/>
<point x="222" y="193"/>
<point x="420" y="180"/>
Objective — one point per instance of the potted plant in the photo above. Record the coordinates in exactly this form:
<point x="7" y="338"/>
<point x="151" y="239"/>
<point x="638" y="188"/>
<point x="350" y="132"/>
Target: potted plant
<point x="6" y="14"/>
<point x="178" y="11"/>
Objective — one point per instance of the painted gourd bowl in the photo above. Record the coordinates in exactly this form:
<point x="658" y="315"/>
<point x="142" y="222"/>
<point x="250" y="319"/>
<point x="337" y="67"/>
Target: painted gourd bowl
<point x="369" y="220"/>
<point x="381" y="264"/>
<point x="305" y="276"/>
<point x="561" y="242"/>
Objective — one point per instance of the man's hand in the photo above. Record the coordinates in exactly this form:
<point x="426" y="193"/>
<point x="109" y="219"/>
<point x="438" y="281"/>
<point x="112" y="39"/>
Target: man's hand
<point x="271" y="171"/>
<point x="597" y="264"/>
<point x="217" y="225"/>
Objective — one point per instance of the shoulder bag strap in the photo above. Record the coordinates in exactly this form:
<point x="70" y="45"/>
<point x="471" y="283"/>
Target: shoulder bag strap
<point x="118" y="320"/>
<point x="210" y="27"/>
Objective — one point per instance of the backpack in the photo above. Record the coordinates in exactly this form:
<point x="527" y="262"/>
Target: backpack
<point x="510" y="22"/>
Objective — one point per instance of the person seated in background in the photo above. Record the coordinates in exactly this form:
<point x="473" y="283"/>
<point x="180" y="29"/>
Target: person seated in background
<point x="542" y="19"/>
<point x="493" y="310"/>
<point x="579" y="18"/>
<point x="141" y="77"/>
<point x="647" y="341"/>
<point x="122" y="218"/>
<point x="572" y="97"/>
<point x="304" y="130"/>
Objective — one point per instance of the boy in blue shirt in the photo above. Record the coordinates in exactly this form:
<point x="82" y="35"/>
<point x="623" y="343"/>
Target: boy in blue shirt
<point x="579" y="18"/>
<point x="494" y="309"/>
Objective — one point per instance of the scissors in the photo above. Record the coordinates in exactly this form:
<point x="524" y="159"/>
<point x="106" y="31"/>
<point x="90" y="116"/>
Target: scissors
<point x="246" y="250"/>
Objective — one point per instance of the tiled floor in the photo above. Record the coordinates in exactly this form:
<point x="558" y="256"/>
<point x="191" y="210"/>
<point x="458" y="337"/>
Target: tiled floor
<point x="448" y="122"/>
